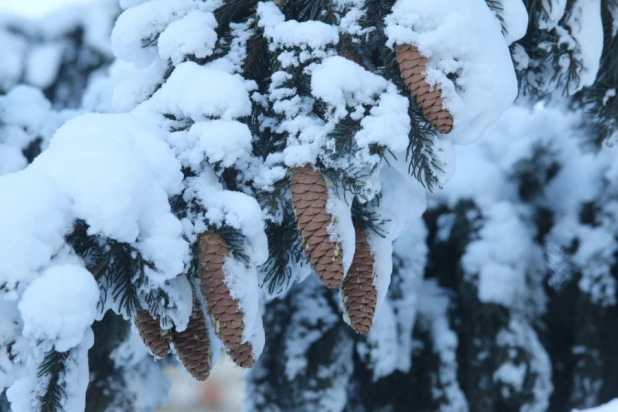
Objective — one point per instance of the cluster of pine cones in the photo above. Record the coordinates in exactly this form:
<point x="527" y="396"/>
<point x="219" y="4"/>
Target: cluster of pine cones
<point x="309" y="199"/>
<point x="193" y="344"/>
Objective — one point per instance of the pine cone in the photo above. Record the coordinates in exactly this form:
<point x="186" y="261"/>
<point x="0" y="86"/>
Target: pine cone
<point x="353" y="56"/>
<point x="227" y="318"/>
<point x="243" y="355"/>
<point x="359" y="293"/>
<point x="412" y="65"/>
<point x="309" y="197"/>
<point x="193" y="345"/>
<point x="155" y="338"/>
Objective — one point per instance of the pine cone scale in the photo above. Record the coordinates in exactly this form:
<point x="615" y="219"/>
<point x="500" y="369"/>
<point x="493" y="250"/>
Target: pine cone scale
<point x="157" y="340"/>
<point x="412" y="65"/>
<point x="359" y="293"/>
<point x="309" y="199"/>
<point x="193" y="345"/>
<point x="227" y="318"/>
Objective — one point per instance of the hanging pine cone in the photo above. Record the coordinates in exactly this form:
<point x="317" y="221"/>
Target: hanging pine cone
<point x="242" y="355"/>
<point x="359" y="293"/>
<point x="155" y="338"/>
<point x="412" y="65"/>
<point x="353" y="56"/>
<point x="193" y="345"/>
<point x="309" y="197"/>
<point x="227" y="318"/>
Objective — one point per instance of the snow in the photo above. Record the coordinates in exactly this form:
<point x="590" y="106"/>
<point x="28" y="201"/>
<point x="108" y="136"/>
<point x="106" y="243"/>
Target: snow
<point x="11" y="159"/>
<point x="59" y="306"/>
<point x="486" y="84"/>
<point x="611" y="406"/>
<point x="33" y="231"/>
<point x="433" y="307"/>
<point x="43" y="64"/>
<point x="243" y="285"/>
<point x="587" y="30"/>
<point x="193" y="34"/>
<point x="220" y="141"/>
<point x="343" y="84"/>
<point x="200" y="93"/>
<point x="114" y="189"/>
<point x="500" y="257"/>
<point x="143" y="23"/>
<point x="515" y="18"/>
<point x="287" y="34"/>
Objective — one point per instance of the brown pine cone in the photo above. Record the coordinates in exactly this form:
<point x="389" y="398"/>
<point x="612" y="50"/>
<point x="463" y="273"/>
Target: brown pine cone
<point x="353" y="56"/>
<point x="193" y="345"/>
<point x="359" y="293"/>
<point x="155" y="338"/>
<point x="227" y="318"/>
<point x="412" y="65"/>
<point x="309" y="197"/>
<point x="243" y="355"/>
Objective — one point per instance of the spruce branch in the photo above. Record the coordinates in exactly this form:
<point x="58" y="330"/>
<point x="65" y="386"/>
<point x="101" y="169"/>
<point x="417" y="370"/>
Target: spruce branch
<point x="53" y="368"/>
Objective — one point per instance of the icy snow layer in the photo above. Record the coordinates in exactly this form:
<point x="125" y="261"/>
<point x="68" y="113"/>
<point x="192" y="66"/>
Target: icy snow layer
<point x="485" y="83"/>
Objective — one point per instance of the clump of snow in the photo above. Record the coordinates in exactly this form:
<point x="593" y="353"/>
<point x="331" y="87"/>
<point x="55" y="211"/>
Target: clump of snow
<point x="114" y="188"/>
<point x="219" y="141"/>
<point x="500" y="257"/>
<point x="485" y="83"/>
<point x="194" y="34"/>
<point x="515" y="19"/>
<point x="34" y="217"/>
<point x="346" y="88"/>
<point x="199" y="93"/>
<point x="41" y="74"/>
<point x="59" y="306"/>
<point x="137" y="29"/>
<point x="287" y="34"/>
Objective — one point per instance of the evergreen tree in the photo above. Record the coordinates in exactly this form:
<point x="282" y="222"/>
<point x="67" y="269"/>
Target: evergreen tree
<point x="253" y="180"/>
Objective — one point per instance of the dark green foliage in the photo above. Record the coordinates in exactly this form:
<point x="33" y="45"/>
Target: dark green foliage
<point x="284" y="250"/>
<point x="106" y="378"/>
<point x="53" y="368"/>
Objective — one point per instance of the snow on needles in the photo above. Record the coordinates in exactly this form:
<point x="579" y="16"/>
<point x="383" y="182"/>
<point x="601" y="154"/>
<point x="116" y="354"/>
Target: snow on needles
<point x="59" y="306"/>
<point x="480" y="62"/>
